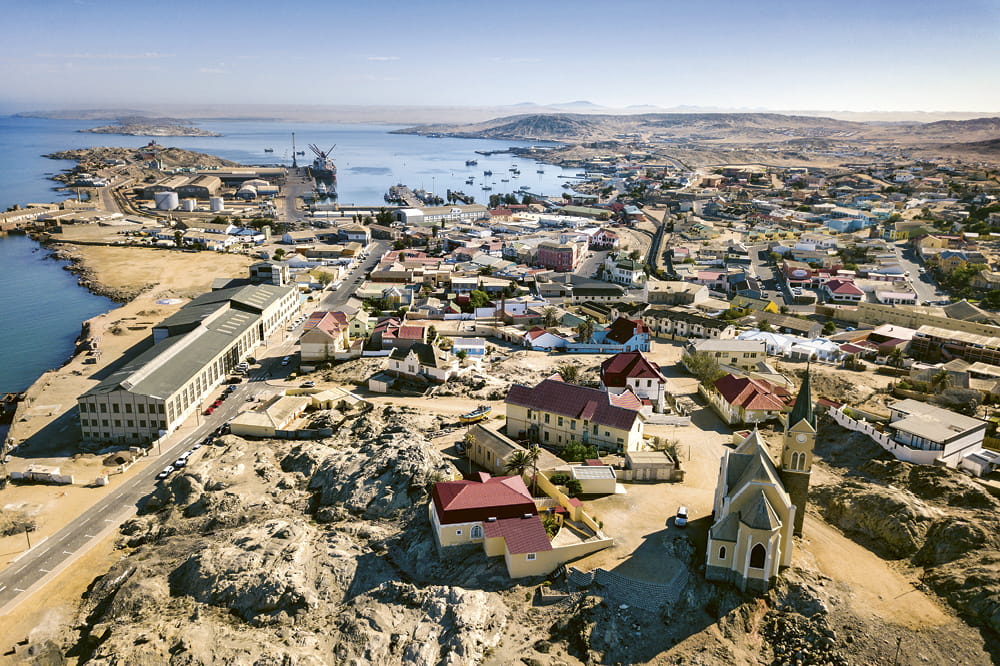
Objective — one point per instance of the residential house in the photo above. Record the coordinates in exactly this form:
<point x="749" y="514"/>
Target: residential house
<point x="618" y="268"/>
<point x="684" y="324"/>
<point x="423" y="362"/>
<point x="622" y="335"/>
<point x="539" y="339"/>
<point x="933" y="435"/>
<point x="632" y="371"/>
<point x="843" y="291"/>
<point x="675" y="292"/>
<point x="605" y="239"/>
<point x="746" y="305"/>
<point x="391" y="333"/>
<point x="555" y="413"/>
<point x="758" y="506"/>
<point x="325" y="336"/>
<point x="741" y="354"/>
<point x="500" y="514"/>
<point x="741" y="400"/>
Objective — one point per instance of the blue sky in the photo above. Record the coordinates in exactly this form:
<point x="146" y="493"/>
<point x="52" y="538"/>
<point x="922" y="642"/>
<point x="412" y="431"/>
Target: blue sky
<point x="776" y="54"/>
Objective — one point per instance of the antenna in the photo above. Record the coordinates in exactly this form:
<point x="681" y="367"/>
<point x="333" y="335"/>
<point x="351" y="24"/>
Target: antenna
<point x="294" y="163"/>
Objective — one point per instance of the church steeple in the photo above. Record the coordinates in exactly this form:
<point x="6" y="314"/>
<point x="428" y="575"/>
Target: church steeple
<point x="797" y="451"/>
<point x="803" y="409"/>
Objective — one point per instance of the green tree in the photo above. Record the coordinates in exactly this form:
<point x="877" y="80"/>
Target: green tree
<point x="486" y="270"/>
<point x="576" y="451"/>
<point x="634" y="255"/>
<point x="585" y="329"/>
<point x="703" y="366"/>
<point x="940" y="381"/>
<point x="523" y="460"/>
<point x="384" y="217"/>
<point x="278" y="254"/>
<point x="550" y="317"/>
<point x="461" y="354"/>
<point x="765" y="326"/>
<point x="431" y="334"/>
<point x="179" y="238"/>
<point x="574" y="488"/>
<point x="896" y="357"/>
<point x="478" y="299"/>
<point x="323" y="277"/>
<point x="569" y="372"/>
<point x="829" y="328"/>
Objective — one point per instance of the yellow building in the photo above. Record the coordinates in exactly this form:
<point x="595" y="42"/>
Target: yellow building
<point x="758" y="507"/>
<point x="746" y="305"/>
<point x="557" y="413"/>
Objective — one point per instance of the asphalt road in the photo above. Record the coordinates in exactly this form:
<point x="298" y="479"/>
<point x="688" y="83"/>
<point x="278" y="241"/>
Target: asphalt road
<point x="923" y="283"/>
<point x="336" y="298"/>
<point x="48" y="557"/>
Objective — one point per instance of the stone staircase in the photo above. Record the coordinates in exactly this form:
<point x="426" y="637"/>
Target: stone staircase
<point x="645" y="595"/>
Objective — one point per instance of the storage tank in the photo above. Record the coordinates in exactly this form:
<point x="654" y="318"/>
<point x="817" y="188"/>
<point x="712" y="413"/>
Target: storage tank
<point x="166" y="200"/>
<point x="216" y="205"/>
<point x="189" y="205"/>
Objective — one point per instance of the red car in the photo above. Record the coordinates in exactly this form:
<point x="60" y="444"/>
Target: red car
<point x="209" y="411"/>
<point x="216" y="403"/>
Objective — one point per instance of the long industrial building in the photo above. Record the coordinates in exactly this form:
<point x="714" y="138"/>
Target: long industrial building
<point x="193" y="351"/>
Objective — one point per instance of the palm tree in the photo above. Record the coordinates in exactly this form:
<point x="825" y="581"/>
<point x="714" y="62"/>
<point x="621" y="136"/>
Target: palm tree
<point x="586" y="330"/>
<point x="550" y="316"/>
<point x="521" y="461"/>
<point x="940" y="381"/>
<point x="468" y="440"/>
<point x="896" y="357"/>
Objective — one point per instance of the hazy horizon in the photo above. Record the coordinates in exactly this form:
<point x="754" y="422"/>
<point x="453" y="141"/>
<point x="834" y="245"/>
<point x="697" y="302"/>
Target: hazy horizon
<point x="849" y="57"/>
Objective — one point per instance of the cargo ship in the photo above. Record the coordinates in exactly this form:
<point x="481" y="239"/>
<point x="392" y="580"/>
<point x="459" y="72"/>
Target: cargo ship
<point x="323" y="170"/>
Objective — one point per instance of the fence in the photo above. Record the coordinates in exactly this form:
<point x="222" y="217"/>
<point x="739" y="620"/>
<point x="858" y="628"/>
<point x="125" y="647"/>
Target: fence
<point x="901" y="452"/>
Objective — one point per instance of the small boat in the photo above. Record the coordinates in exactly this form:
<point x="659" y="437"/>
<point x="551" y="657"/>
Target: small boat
<point x="540" y="171"/>
<point x="487" y="173"/>
<point x="269" y="150"/>
<point x="471" y="162"/>
<point x="478" y="414"/>
<point x="505" y="180"/>
<point x="470" y="181"/>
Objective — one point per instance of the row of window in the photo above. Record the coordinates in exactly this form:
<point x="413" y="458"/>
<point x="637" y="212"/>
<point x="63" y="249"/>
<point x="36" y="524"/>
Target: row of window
<point x="140" y="408"/>
<point x="758" y="556"/>
<point x="129" y="423"/>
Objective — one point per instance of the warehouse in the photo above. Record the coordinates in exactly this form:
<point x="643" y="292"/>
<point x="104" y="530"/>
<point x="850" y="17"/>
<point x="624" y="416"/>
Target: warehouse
<point x="192" y="352"/>
<point x="200" y="187"/>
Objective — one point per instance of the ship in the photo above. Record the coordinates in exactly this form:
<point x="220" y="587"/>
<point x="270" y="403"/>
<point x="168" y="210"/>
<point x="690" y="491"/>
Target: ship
<point x="471" y="162"/>
<point x="269" y="150"/>
<point x="323" y="169"/>
<point x="487" y="173"/>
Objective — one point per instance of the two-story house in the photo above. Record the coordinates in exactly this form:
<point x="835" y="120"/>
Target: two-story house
<point x="556" y="413"/>
<point x="632" y="371"/>
<point x="421" y="361"/>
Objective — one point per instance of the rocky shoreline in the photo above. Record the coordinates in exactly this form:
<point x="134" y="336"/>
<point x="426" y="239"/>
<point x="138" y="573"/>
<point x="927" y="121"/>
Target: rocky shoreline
<point x="87" y="279"/>
<point x="140" y="129"/>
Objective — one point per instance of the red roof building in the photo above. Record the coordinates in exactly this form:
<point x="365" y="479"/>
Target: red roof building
<point x="632" y="371"/>
<point x="482" y="498"/>
<point x="746" y="400"/>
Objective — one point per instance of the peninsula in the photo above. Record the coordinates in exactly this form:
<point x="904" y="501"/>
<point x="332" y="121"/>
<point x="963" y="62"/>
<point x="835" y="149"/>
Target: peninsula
<point x="142" y="126"/>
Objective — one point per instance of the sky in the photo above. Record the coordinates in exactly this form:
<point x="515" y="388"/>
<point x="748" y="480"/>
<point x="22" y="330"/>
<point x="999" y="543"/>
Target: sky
<point x="848" y="55"/>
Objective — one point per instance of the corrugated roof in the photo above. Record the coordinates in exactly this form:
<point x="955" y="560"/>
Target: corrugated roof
<point x="579" y="402"/>
<point x="521" y="535"/>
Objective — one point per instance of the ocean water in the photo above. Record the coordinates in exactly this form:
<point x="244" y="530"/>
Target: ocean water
<point x="41" y="311"/>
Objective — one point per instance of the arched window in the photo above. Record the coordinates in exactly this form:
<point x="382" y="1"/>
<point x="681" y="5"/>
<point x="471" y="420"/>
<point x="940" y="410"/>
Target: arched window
<point x="722" y="552"/>
<point x="757" y="556"/>
<point x="476" y="532"/>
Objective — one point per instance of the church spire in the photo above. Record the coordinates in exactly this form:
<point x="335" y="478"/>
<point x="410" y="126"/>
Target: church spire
<point x="803" y="408"/>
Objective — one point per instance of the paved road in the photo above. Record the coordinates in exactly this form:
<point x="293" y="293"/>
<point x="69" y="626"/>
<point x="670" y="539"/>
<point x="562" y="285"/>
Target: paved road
<point x="588" y="267"/>
<point x="923" y="283"/>
<point x="336" y="298"/>
<point x="51" y="555"/>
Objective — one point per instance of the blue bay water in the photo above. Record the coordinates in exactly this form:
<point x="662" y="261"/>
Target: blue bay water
<point x="40" y="316"/>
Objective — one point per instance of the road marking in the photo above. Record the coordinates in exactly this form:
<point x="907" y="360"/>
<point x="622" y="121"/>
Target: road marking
<point x="108" y="520"/>
<point x="88" y="536"/>
<point x="45" y="570"/>
<point x="3" y="588"/>
<point x="17" y="589"/>
<point x="65" y="537"/>
<point x="68" y="552"/>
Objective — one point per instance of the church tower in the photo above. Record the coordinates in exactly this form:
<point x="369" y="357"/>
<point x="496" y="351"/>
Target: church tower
<point x="797" y="451"/>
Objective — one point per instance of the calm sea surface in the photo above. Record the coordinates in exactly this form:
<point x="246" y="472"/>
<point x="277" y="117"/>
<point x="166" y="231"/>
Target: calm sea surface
<point x="40" y="313"/>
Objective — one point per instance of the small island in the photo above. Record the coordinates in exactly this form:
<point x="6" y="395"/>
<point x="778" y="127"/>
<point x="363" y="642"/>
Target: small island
<point x="142" y="126"/>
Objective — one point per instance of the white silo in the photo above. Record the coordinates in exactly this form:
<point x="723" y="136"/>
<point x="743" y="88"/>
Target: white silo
<point x="166" y="200"/>
<point x="216" y="204"/>
<point x="189" y="205"/>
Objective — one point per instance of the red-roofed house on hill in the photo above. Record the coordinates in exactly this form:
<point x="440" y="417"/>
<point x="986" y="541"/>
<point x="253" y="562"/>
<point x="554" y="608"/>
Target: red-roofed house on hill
<point x="556" y="413"/>
<point x="325" y="336"/>
<point x="499" y="513"/>
<point x="632" y="371"/>
<point x="843" y="291"/>
<point x="745" y="400"/>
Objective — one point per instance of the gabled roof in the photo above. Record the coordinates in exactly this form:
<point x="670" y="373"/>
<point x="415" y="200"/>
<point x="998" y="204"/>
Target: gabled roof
<point x="520" y="535"/>
<point x="843" y="287"/>
<point x="329" y="322"/>
<point x="629" y="365"/>
<point x="755" y="394"/>
<point x="622" y="330"/>
<point x="483" y="497"/>
<point x="760" y="515"/>
<point x="578" y="402"/>
<point x="428" y="355"/>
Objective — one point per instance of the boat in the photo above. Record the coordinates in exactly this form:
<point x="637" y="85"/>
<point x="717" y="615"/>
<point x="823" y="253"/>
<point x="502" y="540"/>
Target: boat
<point x="471" y="162"/>
<point x="540" y="171"/>
<point x="478" y="414"/>
<point x="269" y="150"/>
<point x="300" y="153"/>
<point x="323" y="169"/>
<point x="470" y="181"/>
<point x="487" y="188"/>
<point x="505" y="180"/>
<point x="487" y="173"/>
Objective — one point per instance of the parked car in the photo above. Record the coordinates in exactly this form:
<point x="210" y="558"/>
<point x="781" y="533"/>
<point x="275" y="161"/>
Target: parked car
<point x="167" y="471"/>
<point x="209" y="410"/>
<point x="308" y="384"/>
<point x="681" y="519"/>
<point x="286" y="360"/>
<point x="180" y="462"/>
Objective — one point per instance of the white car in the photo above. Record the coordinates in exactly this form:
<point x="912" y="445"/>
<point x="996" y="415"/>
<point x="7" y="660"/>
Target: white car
<point x="681" y="519"/>
<point x="180" y="462"/>
<point x="167" y="471"/>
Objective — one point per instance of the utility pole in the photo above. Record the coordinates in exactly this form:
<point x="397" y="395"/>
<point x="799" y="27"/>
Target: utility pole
<point x="27" y="529"/>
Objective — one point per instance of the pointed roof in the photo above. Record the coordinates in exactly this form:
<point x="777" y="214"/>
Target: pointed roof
<point x="760" y="515"/>
<point x="803" y="408"/>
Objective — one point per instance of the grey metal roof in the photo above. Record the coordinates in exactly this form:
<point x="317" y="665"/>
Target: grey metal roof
<point x="593" y="472"/>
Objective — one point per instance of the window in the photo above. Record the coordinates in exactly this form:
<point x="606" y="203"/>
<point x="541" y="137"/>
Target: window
<point x="118" y="423"/>
<point x="476" y="532"/>
<point x="546" y="435"/>
<point x="128" y="408"/>
<point x="458" y="532"/>
<point x="104" y="408"/>
<point x="546" y="418"/>
<point x="572" y="425"/>
<point x="530" y="556"/>
<point x="130" y="423"/>
<point x="142" y="408"/>
<point x="757" y="556"/>
<point x="722" y="552"/>
<point x="104" y="422"/>
<point x="560" y="422"/>
<point x="142" y="424"/>
<point x="114" y="408"/>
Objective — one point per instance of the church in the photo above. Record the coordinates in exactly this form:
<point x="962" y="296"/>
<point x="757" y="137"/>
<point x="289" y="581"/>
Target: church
<point x="759" y="507"/>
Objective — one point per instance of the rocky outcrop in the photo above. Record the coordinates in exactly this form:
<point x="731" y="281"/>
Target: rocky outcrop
<point x="972" y="585"/>
<point x="890" y="520"/>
